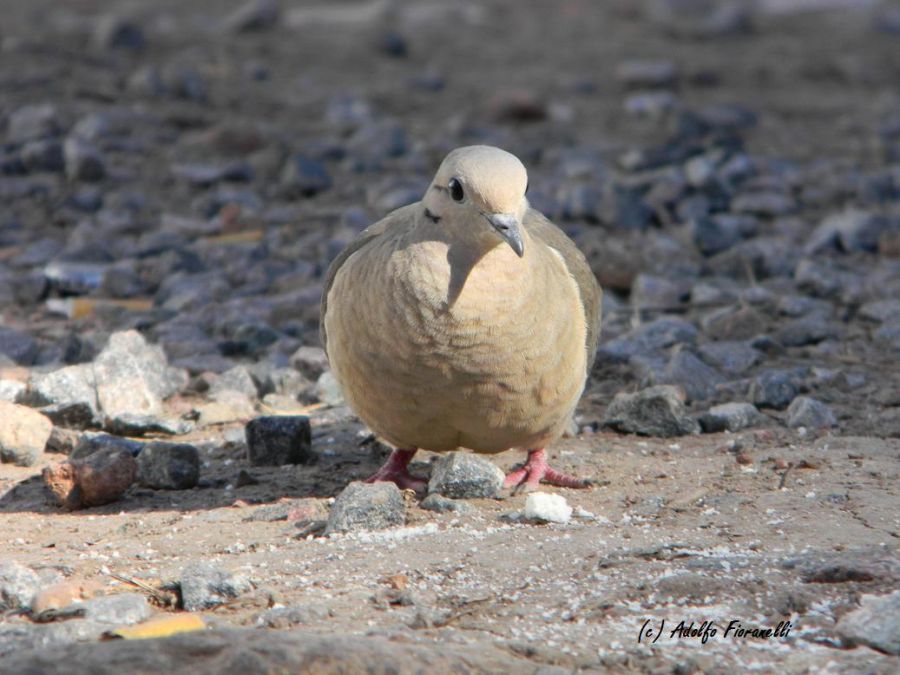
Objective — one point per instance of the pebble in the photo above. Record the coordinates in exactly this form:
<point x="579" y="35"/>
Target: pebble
<point x="119" y="609"/>
<point x="806" y="330"/>
<point x="653" y="336"/>
<point x="462" y="475"/>
<point x="697" y="379"/>
<point x="279" y="440"/>
<point x="235" y="379"/>
<point x="304" y="177"/>
<point x="83" y="162"/>
<point x="168" y="466"/>
<point x="652" y="292"/>
<point x="98" y="479"/>
<point x="655" y="411"/>
<point x="205" y="585"/>
<point x="731" y="357"/>
<point x="32" y="122"/>
<point x="773" y="389"/>
<point x="116" y="31"/>
<point x="293" y="615"/>
<point x="805" y="411"/>
<point x="547" y="508"/>
<point x="441" y="504"/>
<point x="730" y="417"/>
<point x="18" y="585"/>
<point x="23" y="434"/>
<point x="18" y="346"/>
<point x="875" y="624"/>
<point x="253" y="16"/>
<point x="768" y="204"/>
<point x="367" y="506"/>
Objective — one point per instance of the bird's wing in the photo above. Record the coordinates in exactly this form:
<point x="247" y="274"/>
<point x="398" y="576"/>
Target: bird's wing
<point x="591" y="294"/>
<point x="402" y="218"/>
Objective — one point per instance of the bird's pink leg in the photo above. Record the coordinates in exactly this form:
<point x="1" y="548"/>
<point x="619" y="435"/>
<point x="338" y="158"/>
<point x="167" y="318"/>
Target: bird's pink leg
<point x="396" y="470"/>
<point x="536" y="469"/>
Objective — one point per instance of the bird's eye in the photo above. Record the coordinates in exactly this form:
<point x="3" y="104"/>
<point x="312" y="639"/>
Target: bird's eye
<point x="456" y="190"/>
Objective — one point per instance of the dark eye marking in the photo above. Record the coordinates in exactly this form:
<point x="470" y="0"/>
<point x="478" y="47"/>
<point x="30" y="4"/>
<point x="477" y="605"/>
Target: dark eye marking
<point x="433" y="218"/>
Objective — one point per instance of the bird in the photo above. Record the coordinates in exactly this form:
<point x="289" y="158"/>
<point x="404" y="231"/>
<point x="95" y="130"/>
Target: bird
<point x="466" y="320"/>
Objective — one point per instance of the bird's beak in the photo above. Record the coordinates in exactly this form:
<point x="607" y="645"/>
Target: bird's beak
<point x="508" y="227"/>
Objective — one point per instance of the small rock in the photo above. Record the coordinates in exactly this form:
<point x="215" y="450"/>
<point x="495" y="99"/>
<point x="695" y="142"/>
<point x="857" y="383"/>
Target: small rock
<point x="732" y="357"/>
<point x="773" y="389"/>
<point x="32" y="122"/>
<point x="655" y="411"/>
<point x="62" y="441"/>
<point x="697" y="379"/>
<point x="82" y="160"/>
<point x="18" y="584"/>
<point x="875" y="624"/>
<point x="23" y="434"/>
<point x="851" y="230"/>
<point x="235" y="379"/>
<point x="805" y="411"/>
<point x="730" y="417"/>
<point x="646" y="73"/>
<point x="440" y="504"/>
<point x="880" y="310"/>
<point x="205" y="585"/>
<point x="18" y="346"/>
<point x="767" y="204"/>
<point x="137" y="424"/>
<point x="119" y="609"/>
<point x="114" y="31"/>
<point x="364" y="506"/>
<point x="649" y="337"/>
<point x="734" y="323"/>
<point x="719" y="232"/>
<point x="279" y="440"/>
<point x="168" y="466"/>
<point x="548" y="508"/>
<point x="462" y="475"/>
<point x="328" y="391"/>
<point x="305" y="177"/>
<point x="43" y="155"/>
<point x="98" y="479"/>
<point x="89" y="443"/>
<point x="653" y="104"/>
<point x="806" y="330"/>
<point x="656" y="293"/>
<point x="293" y="615"/>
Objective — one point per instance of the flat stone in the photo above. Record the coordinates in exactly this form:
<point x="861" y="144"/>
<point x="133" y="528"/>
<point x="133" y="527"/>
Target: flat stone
<point x="293" y="615"/>
<point x="71" y="390"/>
<point x="655" y="411"/>
<point x="279" y="440"/>
<point x="82" y="160"/>
<point x="23" y="434"/>
<point x="205" y="585"/>
<point x="119" y="609"/>
<point x="880" y="310"/>
<point x="730" y="356"/>
<point x="367" y="506"/>
<point x="261" y="651"/>
<point x="168" y="466"/>
<point x="734" y="323"/>
<point x="462" y="475"/>
<point x="806" y="330"/>
<point x="649" y="337"/>
<point x="773" y="389"/>
<point x="875" y="624"/>
<point x="730" y="417"/>
<point x="18" y="584"/>
<point x="696" y="378"/>
<point x="89" y="443"/>
<point x="98" y="479"/>
<point x="805" y="411"/>
<point x="253" y="15"/>
<point x="440" y="504"/>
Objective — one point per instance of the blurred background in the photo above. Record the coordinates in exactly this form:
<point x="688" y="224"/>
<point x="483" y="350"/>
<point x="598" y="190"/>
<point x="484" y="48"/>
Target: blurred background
<point x="731" y="169"/>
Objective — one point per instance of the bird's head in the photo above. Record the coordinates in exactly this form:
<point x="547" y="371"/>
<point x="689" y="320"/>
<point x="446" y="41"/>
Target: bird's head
<point x="479" y="190"/>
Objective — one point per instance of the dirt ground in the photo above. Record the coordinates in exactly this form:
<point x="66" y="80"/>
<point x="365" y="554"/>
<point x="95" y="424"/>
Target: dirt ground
<point x="758" y="526"/>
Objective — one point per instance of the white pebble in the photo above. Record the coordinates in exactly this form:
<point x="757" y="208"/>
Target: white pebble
<point x="549" y="507"/>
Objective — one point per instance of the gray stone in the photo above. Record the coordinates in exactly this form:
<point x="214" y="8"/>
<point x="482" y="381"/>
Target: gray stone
<point x="168" y="466"/>
<point x="328" y="391"/>
<point x="880" y="310"/>
<point x="440" y="504"/>
<point x="279" y="440"/>
<point x="253" y="15"/>
<point x="805" y="411"/>
<point x="71" y="391"/>
<point x="32" y="122"/>
<point x="304" y="177"/>
<point x="462" y="475"/>
<point x="697" y="379"/>
<point x="82" y="160"/>
<point x="730" y="417"/>
<point x="649" y="337"/>
<point x="875" y="624"/>
<point x="719" y="232"/>
<point x="888" y="335"/>
<point x="18" y="346"/>
<point x="365" y="506"/>
<point x="851" y="230"/>
<point x="773" y="389"/>
<point x="764" y="203"/>
<point x="646" y="73"/>
<point x="11" y="390"/>
<point x="655" y="411"/>
<point x="806" y="330"/>
<point x="732" y="357"/>
<point x="119" y="609"/>
<point x="293" y="615"/>
<point x="654" y="103"/>
<point x="653" y="292"/>
<point x="18" y="584"/>
<point x="734" y="323"/>
<point x="89" y="443"/>
<point x="23" y="434"/>
<point x="236" y="379"/>
<point x="258" y="651"/>
<point x="117" y="31"/>
<point x="205" y="585"/>
<point x="137" y="424"/>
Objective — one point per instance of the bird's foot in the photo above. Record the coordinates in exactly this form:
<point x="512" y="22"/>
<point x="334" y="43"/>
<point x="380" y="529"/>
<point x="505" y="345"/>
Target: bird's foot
<point x="396" y="470"/>
<point x="536" y="469"/>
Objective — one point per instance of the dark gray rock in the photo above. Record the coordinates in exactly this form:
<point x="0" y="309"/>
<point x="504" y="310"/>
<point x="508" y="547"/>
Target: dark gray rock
<point x="773" y="389"/>
<point x="730" y="417"/>
<point x="734" y="323"/>
<point x="808" y="412"/>
<point x="23" y="434"/>
<point x="696" y="378"/>
<point x="293" y="615"/>
<point x="18" y="346"/>
<point x="888" y="335"/>
<point x="655" y="411"/>
<point x="235" y="379"/>
<point x="759" y="258"/>
<point x="18" y="584"/>
<point x="119" y="609"/>
<point x="818" y="279"/>
<point x="462" y="475"/>
<point x="764" y="203"/>
<point x="365" y="506"/>
<point x="205" y="585"/>
<point x="880" y="310"/>
<point x="258" y="651"/>
<point x="806" y="330"/>
<point x="138" y="424"/>
<point x="653" y="292"/>
<point x="649" y="337"/>
<point x="117" y="31"/>
<point x="253" y="15"/>
<point x="43" y="155"/>
<point x="719" y="232"/>
<point x="279" y="440"/>
<point x="731" y="357"/>
<point x="82" y="160"/>
<point x="441" y="504"/>
<point x="875" y="624"/>
<point x="851" y="230"/>
<point x="32" y="122"/>
<point x="653" y="103"/>
<point x="304" y="177"/>
<point x="89" y="443"/>
<point x="168" y="466"/>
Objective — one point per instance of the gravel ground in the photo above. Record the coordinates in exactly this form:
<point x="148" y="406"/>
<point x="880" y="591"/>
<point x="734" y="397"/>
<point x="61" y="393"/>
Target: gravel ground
<point x="175" y="178"/>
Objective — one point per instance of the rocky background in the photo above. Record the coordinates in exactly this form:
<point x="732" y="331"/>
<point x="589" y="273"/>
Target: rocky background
<point x="175" y="178"/>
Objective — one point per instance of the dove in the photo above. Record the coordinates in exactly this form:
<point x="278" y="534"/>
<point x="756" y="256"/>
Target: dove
<point x="464" y="321"/>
